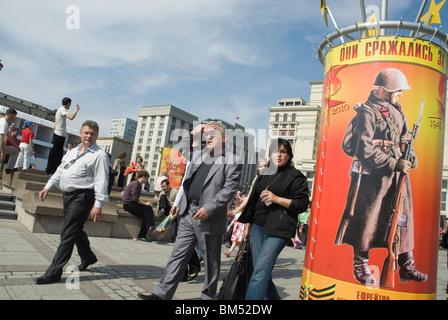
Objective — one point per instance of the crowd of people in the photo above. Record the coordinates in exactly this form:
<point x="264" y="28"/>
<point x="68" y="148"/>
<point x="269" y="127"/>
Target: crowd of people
<point x="207" y="209"/>
<point x="204" y="207"/>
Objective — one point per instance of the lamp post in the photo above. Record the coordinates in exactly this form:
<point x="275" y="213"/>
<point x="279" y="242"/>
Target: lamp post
<point x="1" y="65"/>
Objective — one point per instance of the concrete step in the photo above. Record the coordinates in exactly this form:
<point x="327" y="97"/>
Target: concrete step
<point x="5" y="197"/>
<point x="7" y="205"/>
<point x="8" y="214"/>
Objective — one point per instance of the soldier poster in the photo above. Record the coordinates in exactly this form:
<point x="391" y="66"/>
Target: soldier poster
<point x="377" y="188"/>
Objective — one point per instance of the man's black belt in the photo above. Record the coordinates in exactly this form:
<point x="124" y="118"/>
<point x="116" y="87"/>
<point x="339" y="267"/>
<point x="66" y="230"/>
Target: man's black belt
<point x="77" y="191"/>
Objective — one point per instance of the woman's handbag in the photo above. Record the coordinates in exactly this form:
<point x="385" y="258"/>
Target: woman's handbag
<point x="234" y="286"/>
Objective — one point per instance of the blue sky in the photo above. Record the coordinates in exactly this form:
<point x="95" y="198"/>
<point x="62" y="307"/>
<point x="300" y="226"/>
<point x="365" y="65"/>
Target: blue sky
<point x="213" y="58"/>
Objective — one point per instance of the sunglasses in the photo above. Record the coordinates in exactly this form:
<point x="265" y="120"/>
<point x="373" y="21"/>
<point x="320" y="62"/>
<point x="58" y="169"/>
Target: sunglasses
<point x="210" y="135"/>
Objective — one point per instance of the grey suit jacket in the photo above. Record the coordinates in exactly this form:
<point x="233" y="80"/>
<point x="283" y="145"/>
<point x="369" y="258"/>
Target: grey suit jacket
<point x="218" y="190"/>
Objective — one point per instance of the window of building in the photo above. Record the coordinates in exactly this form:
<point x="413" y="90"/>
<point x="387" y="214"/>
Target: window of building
<point x="285" y="117"/>
<point x="277" y="117"/>
<point x="293" y="117"/>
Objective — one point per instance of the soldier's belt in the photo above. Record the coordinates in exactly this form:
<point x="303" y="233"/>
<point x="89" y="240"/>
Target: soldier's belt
<point x="384" y="145"/>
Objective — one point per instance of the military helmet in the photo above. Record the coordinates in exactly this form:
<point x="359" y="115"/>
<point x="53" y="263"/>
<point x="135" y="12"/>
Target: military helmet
<point x="391" y="80"/>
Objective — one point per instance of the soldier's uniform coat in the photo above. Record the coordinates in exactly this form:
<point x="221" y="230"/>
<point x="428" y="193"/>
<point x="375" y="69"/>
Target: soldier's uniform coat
<point x="367" y="228"/>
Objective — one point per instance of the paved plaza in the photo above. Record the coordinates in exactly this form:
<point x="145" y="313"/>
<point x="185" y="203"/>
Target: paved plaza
<point x="125" y="267"/>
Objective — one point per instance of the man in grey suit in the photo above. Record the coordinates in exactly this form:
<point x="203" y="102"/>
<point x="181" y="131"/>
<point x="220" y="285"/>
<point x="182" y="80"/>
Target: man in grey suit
<point x="209" y="185"/>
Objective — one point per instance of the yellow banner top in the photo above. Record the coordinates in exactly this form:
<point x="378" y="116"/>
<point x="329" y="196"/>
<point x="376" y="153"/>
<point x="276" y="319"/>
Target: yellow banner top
<point x="388" y="48"/>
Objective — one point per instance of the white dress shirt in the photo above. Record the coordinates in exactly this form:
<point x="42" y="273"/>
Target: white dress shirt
<point x="89" y="170"/>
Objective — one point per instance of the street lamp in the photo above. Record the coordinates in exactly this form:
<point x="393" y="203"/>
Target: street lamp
<point x="1" y="65"/>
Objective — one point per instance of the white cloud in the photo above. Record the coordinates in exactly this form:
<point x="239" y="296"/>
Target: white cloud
<point x="243" y="54"/>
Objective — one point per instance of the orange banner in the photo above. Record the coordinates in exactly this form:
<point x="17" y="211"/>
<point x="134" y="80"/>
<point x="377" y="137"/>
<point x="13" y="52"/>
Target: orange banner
<point x="174" y="163"/>
<point x="373" y="230"/>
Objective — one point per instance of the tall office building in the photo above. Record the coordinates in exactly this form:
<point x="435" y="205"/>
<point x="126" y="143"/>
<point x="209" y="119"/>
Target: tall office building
<point x="123" y="128"/>
<point x="298" y="121"/>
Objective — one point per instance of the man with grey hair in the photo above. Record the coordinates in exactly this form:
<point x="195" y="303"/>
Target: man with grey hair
<point x="209" y="185"/>
<point x="83" y="177"/>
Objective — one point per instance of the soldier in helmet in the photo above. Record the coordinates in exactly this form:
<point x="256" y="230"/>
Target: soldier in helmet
<point x="373" y="139"/>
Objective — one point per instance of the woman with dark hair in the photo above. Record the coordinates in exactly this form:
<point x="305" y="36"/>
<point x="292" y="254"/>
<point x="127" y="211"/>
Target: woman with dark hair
<point x="279" y="194"/>
<point x="120" y="166"/>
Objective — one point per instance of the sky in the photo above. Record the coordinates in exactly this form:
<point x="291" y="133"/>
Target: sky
<point x="213" y="58"/>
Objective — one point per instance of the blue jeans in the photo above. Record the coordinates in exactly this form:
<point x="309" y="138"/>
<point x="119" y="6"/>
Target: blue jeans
<point x="265" y="251"/>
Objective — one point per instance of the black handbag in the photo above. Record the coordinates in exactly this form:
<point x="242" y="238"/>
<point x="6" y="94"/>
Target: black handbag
<point x="234" y="286"/>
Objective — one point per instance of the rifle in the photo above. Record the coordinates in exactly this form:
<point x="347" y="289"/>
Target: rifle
<point x="390" y="265"/>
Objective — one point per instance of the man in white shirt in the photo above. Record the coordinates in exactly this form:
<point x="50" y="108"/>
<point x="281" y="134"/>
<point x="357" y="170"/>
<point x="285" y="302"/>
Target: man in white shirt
<point x="83" y="176"/>
<point x="13" y="151"/>
<point x="59" y="132"/>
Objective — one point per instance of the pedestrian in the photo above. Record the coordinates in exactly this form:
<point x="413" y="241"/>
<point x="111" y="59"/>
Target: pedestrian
<point x="279" y="194"/>
<point x="59" y="132"/>
<point x="158" y="184"/>
<point x="120" y="166"/>
<point x="82" y="176"/>
<point x="238" y="230"/>
<point x="26" y="146"/>
<point x="14" y="133"/>
<point x="194" y="265"/>
<point x="210" y="184"/>
<point x="5" y="133"/>
<point x="134" y="205"/>
<point x="166" y="197"/>
<point x="112" y="174"/>
<point x="138" y="167"/>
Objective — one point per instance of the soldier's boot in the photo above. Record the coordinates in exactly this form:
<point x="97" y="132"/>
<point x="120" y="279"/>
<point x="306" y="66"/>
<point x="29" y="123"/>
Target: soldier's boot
<point x="361" y="269"/>
<point x="407" y="269"/>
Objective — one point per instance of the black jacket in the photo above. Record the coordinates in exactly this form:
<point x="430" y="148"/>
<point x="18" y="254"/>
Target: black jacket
<point x="281" y="222"/>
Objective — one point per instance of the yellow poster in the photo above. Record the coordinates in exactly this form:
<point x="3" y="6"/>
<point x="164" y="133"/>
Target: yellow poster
<point x="376" y="198"/>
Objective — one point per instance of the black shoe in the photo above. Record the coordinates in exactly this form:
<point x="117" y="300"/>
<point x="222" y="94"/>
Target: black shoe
<point x="85" y="264"/>
<point x="46" y="280"/>
<point x="151" y="296"/>
<point x="144" y="239"/>
<point x="191" y="277"/>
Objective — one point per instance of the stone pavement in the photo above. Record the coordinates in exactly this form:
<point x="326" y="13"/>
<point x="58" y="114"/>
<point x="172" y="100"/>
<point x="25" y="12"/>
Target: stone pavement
<point x="125" y="267"/>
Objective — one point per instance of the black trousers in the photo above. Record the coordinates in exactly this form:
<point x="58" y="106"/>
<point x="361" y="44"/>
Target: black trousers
<point x="143" y="212"/>
<point x="56" y="154"/>
<point x="194" y="265"/>
<point x="164" y="204"/>
<point x="77" y="208"/>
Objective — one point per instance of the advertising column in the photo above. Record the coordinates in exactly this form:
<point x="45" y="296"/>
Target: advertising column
<point x="376" y="199"/>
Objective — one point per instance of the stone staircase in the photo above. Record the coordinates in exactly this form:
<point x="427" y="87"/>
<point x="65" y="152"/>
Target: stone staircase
<point x="7" y="206"/>
<point x="19" y="200"/>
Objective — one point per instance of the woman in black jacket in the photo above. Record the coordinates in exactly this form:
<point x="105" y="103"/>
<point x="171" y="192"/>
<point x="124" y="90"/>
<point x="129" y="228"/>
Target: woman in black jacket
<point x="279" y="194"/>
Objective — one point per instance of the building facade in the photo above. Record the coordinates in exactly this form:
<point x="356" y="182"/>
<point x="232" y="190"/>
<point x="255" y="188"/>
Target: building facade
<point x="123" y="128"/>
<point x="298" y="121"/>
<point x="114" y="146"/>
